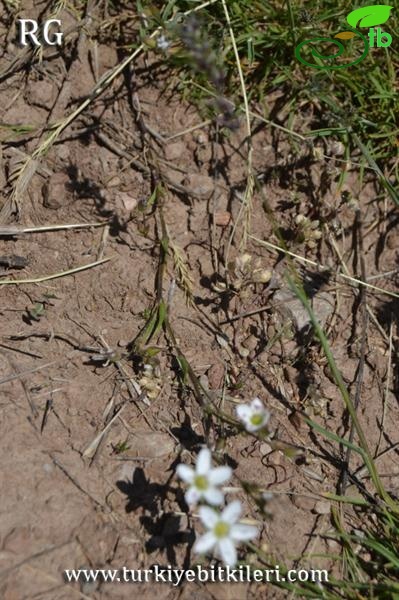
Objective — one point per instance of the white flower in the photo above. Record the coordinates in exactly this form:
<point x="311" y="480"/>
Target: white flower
<point x="224" y="532"/>
<point x="203" y="481"/>
<point x="162" y="42"/>
<point x="254" y="415"/>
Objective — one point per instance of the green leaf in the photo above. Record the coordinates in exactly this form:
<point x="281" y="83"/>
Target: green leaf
<point x="160" y="319"/>
<point x="368" y="16"/>
<point x="151" y="351"/>
<point x="183" y="364"/>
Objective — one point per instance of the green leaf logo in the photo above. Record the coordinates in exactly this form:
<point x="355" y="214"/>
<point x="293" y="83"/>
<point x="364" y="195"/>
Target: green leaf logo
<point x="368" y="16"/>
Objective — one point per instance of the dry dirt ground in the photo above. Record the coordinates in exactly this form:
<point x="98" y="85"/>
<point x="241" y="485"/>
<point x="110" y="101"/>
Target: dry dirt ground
<point x="64" y="505"/>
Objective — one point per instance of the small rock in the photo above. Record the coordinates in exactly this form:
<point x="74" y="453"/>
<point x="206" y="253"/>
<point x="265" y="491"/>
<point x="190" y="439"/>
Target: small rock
<point x="290" y="347"/>
<point x="216" y="376"/>
<point x="251" y="342"/>
<point x="243" y="352"/>
<point x="175" y="177"/>
<point x="303" y="502"/>
<point x="125" y="201"/>
<point x="291" y="307"/>
<point x="55" y="190"/>
<point x="222" y="219"/>
<point x="115" y="181"/>
<point x="41" y="93"/>
<point x="175" y="150"/>
<point x="203" y="379"/>
<point x="149" y="444"/>
<point x="334" y="547"/>
<point x="337" y="148"/>
<point x="123" y="343"/>
<point x="265" y="448"/>
<point x="329" y="390"/>
<point x="201" y="138"/>
<point x="348" y="369"/>
<point x="202" y="185"/>
<point x="322" y="507"/>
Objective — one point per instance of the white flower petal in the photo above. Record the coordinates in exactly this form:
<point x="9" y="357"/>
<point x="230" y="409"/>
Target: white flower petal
<point x="232" y="512"/>
<point x="208" y="516"/>
<point x="257" y="405"/>
<point x="192" y="496"/>
<point x="203" y="462"/>
<point x="252" y="428"/>
<point x="185" y="473"/>
<point x="213" y="496"/>
<point x="243" y="533"/>
<point x="244" y="412"/>
<point x="227" y="551"/>
<point x="204" y="543"/>
<point x="220" y="475"/>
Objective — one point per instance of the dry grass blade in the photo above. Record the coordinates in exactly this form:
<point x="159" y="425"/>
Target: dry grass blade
<point x="91" y="448"/>
<point x="246" y="207"/>
<point x="22" y="177"/>
<point x="11" y="230"/>
<point x="55" y="275"/>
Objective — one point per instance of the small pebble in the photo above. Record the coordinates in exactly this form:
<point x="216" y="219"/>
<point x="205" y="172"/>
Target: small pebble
<point x="222" y="219"/>
<point x="175" y="150"/>
<point x="265" y="448"/>
<point x="322" y="507"/>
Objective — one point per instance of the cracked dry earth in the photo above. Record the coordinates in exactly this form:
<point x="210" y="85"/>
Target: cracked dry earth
<point x="66" y="503"/>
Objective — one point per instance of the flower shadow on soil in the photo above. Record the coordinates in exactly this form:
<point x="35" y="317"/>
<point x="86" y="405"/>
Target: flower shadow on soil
<point x="164" y="527"/>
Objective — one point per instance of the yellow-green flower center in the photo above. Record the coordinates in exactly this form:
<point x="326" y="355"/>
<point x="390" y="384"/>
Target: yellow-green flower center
<point x="256" y="419"/>
<point x="221" y="529"/>
<point x="201" y="483"/>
